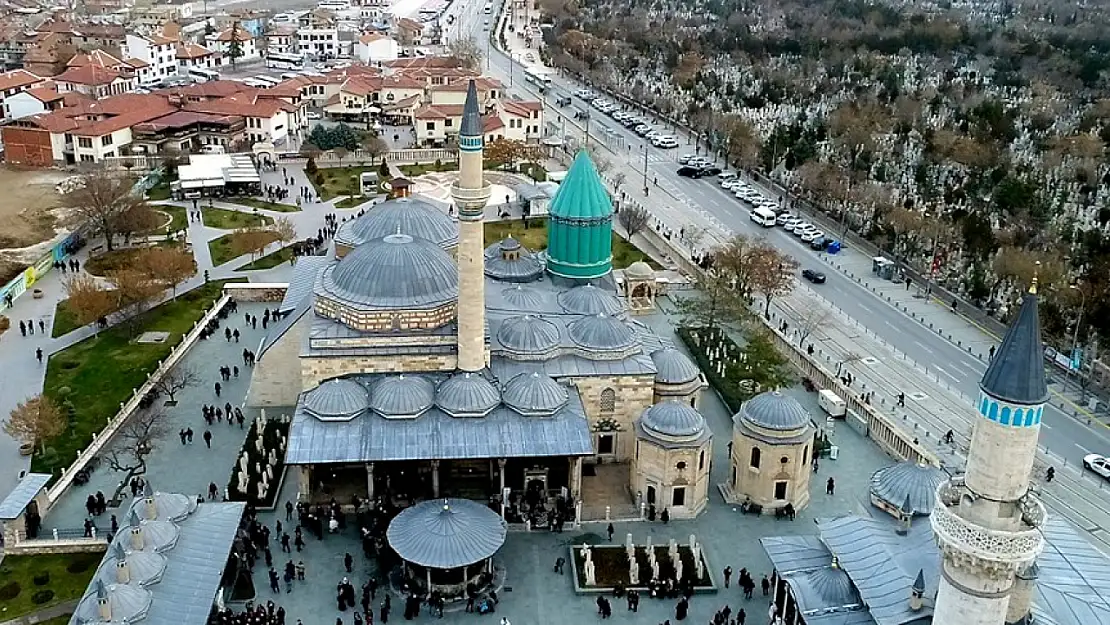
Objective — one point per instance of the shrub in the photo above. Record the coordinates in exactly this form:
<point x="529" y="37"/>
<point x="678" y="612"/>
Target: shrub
<point x="41" y="579"/>
<point x="78" y="566"/>
<point x="310" y="166"/>
<point x="319" y="179"/>
<point x="9" y="591"/>
<point x="42" y="596"/>
<point x="5" y="323"/>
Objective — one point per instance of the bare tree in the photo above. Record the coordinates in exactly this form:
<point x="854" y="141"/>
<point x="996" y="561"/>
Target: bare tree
<point x="618" y="180"/>
<point x="340" y="153"/>
<point x="467" y="52"/>
<point x="168" y="265"/>
<point x="103" y="202"/>
<point x="374" y="145"/>
<point x="812" y="319"/>
<point x="133" y="444"/>
<point x="35" y="421"/>
<point x="135" y="292"/>
<point x="88" y="300"/>
<point x="284" y="229"/>
<point x="633" y="219"/>
<point x="772" y="273"/>
<point x="848" y="359"/>
<point x="252" y="240"/>
<point x="176" y="380"/>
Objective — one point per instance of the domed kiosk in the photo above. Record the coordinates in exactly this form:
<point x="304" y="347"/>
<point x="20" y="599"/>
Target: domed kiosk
<point x="772" y="442"/>
<point x="670" y="469"/>
<point x="446" y="545"/>
<point x="640" y="287"/>
<point x="412" y="216"/>
<point x="677" y="377"/>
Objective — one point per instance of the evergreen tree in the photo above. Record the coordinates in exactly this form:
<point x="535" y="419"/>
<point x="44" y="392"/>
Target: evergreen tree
<point x="235" y="47"/>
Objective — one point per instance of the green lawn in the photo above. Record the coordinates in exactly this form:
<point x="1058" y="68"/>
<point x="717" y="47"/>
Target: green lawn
<point x="263" y="204"/>
<point x="101" y="371"/>
<point x="351" y="202"/>
<point x="222" y="251"/>
<point x="160" y="191"/>
<point x="64" y="321"/>
<point x="179" y="220"/>
<point x="412" y="171"/>
<point x="535" y="171"/>
<point x="232" y="220"/>
<point x="535" y="239"/>
<point x="111" y="261"/>
<point x="338" y="181"/>
<point x="66" y="586"/>
<point x="269" y="261"/>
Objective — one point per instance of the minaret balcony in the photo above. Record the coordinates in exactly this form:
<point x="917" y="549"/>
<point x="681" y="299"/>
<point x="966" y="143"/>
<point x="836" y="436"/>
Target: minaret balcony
<point x="471" y="199"/>
<point x="1012" y="549"/>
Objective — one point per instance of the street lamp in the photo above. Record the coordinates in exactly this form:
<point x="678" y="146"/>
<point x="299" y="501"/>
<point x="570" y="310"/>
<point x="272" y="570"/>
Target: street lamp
<point x="1072" y="364"/>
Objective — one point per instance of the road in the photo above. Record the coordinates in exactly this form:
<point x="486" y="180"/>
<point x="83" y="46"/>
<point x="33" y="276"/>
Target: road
<point x="693" y="205"/>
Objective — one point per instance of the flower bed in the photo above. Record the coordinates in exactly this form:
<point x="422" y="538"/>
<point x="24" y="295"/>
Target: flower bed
<point x="611" y="567"/>
<point x="274" y="438"/>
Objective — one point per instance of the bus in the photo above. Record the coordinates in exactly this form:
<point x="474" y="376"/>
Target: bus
<point x="284" y="60"/>
<point x="536" y="78"/>
<point x="269" y="81"/>
<point x="203" y="74"/>
<point x="489" y="8"/>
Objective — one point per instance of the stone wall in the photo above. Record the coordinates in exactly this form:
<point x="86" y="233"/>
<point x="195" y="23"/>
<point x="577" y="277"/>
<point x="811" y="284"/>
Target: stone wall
<point x="758" y="483"/>
<point x="383" y="320"/>
<point x="276" y="377"/>
<point x="61" y="545"/>
<point x="656" y="466"/>
<point x="256" y="292"/>
<point x="633" y="395"/>
<point x="316" y="369"/>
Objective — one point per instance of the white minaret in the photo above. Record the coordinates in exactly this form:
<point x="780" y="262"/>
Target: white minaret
<point x="471" y="192"/>
<point x="986" y="521"/>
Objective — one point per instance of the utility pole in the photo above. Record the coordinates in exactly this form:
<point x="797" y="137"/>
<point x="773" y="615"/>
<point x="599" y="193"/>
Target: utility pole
<point x="645" y="170"/>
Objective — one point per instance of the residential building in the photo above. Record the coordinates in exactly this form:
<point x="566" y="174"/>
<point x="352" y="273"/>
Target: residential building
<point x="517" y="120"/>
<point x="317" y="35"/>
<point x="523" y="119"/>
<point x="374" y="48"/>
<point x="267" y="119"/>
<point x="409" y="31"/>
<point x="42" y="98"/>
<point x="189" y="131"/>
<point x="221" y="42"/>
<point x="282" y="39"/>
<point x="12" y="83"/>
<point x="158" y="51"/>
<point x="48" y="53"/>
<point x="94" y="81"/>
<point x="153" y="18"/>
<point x="190" y="55"/>
<point x="489" y="91"/>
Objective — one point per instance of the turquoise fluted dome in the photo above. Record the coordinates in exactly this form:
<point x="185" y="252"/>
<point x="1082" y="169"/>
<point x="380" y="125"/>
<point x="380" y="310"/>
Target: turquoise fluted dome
<point x="580" y="227"/>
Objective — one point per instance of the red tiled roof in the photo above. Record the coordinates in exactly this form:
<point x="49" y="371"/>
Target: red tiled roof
<point x="482" y="83"/>
<point x="88" y="75"/>
<point x="409" y="24"/>
<point x="136" y="63"/>
<point x="18" y="78"/>
<point x="241" y="104"/>
<point x="401" y="82"/>
<point x="361" y="86"/>
<point x="491" y="123"/>
<point x="126" y="120"/>
<point x="45" y="94"/>
<point x="439" y="111"/>
<point x="98" y="58"/>
<point x="190" y="50"/>
<point x="241" y="34"/>
<point x="401" y="104"/>
<point x="371" y="38"/>
<point x="212" y="89"/>
<point x="521" y="108"/>
<point x="423" y="61"/>
<point x="182" y="119"/>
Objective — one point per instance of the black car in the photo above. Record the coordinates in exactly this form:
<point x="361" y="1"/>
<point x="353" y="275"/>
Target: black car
<point x="710" y="171"/>
<point x="813" y="276"/>
<point x="690" y="172"/>
<point x="820" y="244"/>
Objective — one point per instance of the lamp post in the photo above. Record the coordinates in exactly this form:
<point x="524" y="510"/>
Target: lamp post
<point x="645" y="169"/>
<point x="1072" y="363"/>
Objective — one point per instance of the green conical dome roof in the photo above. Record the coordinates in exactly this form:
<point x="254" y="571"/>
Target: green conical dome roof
<point x="581" y="194"/>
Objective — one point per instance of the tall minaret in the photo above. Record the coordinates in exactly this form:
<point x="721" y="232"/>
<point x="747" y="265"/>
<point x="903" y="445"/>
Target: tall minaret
<point x="986" y="521"/>
<point x="471" y="192"/>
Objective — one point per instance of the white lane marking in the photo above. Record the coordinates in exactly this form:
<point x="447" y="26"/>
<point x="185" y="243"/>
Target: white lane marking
<point x="946" y="374"/>
<point x="1084" y="449"/>
<point x="918" y="343"/>
<point x="1045" y="426"/>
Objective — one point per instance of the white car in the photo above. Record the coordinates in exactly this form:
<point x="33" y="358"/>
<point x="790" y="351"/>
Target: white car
<point x="313" y="115"/>
<point x="729" y="185"/>
<point x="1098" y="464"/>
<point x="783" y="218"/>
<point x="800" y="226"/>
<point x="665" y="142"/>
<point x="789" y="224"/>
<point x="809" y="235"/>
<point x="685" y="159"/>
<point x="585" y="94"/>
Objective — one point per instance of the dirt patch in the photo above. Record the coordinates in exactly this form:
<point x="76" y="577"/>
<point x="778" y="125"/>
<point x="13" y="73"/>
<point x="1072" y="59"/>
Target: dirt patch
<point x="27" y="206"/>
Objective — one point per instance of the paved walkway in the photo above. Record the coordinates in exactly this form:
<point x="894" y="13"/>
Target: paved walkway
<point x="23" y="377"/>
<point x="54" y="611"/>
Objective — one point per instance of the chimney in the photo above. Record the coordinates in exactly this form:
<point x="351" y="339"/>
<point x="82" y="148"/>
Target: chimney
<point x="103" y="602"/>
<point x="905" y="517"/>
<point x="917" y="592"/>
<point x="151" y="507"/>
<point x="136" y="532"/>
<point x="123" y="571"/>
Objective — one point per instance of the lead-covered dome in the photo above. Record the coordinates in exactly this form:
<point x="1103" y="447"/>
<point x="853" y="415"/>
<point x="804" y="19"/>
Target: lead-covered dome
<point x="142" y="567"/>
<point x="410" y="215"/>
<point x="601" y="332"/>
<point x="535" y="395"/>
<point x="402" y="396"/>
<point x="398" y="272"/>
<point x="590" y="300"/>
<point x="673" y="367"/>
<point x="673" y="419"/>
<point x="337" y="400"/>
<point x="639" y="270"/>
<point x="123" y="603"/>
<point x="467" y="395"/>
<point x="824" y="587"/>
<point x="523" y="298"/>
<point x="892" y="485"/>
<point x="509" y="261"/>
<point x="774" y="411"/>
<point x="528" y="335"/>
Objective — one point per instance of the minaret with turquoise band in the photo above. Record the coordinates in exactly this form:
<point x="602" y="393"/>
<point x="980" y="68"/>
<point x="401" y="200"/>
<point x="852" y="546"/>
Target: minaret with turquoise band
<point x="471" y="192"/>
<point x="580" y="225"/>
<point x="987" y="522"/>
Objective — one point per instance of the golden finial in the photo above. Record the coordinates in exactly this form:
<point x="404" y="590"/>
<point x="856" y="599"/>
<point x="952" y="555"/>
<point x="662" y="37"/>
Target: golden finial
<point x="1033" y="285"/>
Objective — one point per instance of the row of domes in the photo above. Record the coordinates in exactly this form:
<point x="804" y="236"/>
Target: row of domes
<point x="461" y="395"/>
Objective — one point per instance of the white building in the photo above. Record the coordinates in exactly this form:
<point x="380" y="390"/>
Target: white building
<point x="159" y="52"/>
<point x="32" y="102"/>
<point x="221" y="42"/>
<point x="372" y="48"/>
<point x="317" y="37"/>
<point x="13" y="83"/>
<point x="190" y="55"/>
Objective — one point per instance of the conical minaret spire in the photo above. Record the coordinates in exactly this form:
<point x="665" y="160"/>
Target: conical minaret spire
<point x="471" y="192"/>
<point x="986" y="522"/>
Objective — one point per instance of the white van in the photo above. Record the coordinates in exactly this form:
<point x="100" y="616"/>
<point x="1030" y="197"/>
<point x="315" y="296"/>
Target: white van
<point x="763" y="216"/>
<point x="831" y="403"/>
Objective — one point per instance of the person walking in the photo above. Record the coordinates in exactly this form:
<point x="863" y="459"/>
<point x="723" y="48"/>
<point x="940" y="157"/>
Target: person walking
<point x="217" y="388"/>
<point x="830" y="486"/>
<point x="348" y="562"/>
<point x="42" y="326"/>
<point x="208" y="439"/>
<point x="728" y="575"/>
<point x="610" y="531"/>
<point x="289" y="511"/>
<point x="22" y="328"/>
<point x="38" y="354"/>
<point x="765" y="585"/>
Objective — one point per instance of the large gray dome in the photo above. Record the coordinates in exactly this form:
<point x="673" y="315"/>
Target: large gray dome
<point x="402" y="396"/>
<point x="337" y="400"/>
<point x="673" y="367"/>
<point x="535" y="395"/>
<point x="590" y="300"/>
<point x="157" y="536"/>
<point x="893" y="484"/>
<point x="528" y="334"/>
<point x="774" y="411"/>
<point x="446" y="533"/>
<point x="673" y="419"/>
<point x="412" y="216"/>
<point x="167" y="506"/>
<point x="601" y="331"/>
<point x="467" y="395"/>
<point x="398" y="272"/>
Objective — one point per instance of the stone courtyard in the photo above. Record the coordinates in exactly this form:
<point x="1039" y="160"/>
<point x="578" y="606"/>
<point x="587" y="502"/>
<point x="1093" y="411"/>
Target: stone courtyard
<point x="532" y="593"/>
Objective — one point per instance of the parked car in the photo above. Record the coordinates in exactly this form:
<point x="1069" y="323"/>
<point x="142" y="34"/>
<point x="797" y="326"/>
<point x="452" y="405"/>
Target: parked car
<point x="710" y="171"/>
<point x="819" y="243"/>
<point x="585" y="94"/>
<point x="810" y="236"/>
<point x="813" y="276"/>
<point x="1100" y="465"/>
<point x="686" y="171"/>
<point x="665" y="141"/>
<point x="313" y="115"/>
<point x="685" y="159"/>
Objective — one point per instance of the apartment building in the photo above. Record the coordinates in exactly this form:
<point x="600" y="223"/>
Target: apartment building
<point x="157" y="51"/>
<point x="375" y="48"/>
<point x="13" y="83"/>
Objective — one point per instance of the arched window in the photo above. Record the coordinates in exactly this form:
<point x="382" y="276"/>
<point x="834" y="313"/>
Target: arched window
<point x="608" y="401"/>
<point x="805" y="456"/>
<point x="701" y="461"/>
<point x="754" y="462"/>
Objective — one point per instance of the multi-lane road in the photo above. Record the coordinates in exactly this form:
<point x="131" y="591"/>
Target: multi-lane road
<point x="683" y="203"/>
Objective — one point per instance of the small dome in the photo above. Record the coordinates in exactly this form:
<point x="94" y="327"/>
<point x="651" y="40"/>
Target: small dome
<point x="673" y="419"/>
<point x="523" y="298"/>
<point x="402" y="396"/>
<point x="158" y="536"/>
<point x="907" y="479"/>
<point x="590" y="300"/>
<point x="167" y="506"/>
<point x="467" y="395"/>
<point x="143" y="567"/>
<point x="535" y="394"/>
<point x="774" y="411"/>
<point x="639" y="270"/>
<point x="602" y="332"/>
<point x="398" y="272"/>
<point x="126" y="603"/>
<point x="508" y="261"/>
<point x="509" y="244"/>
<point x="528" y="334"/>
<point x="828" y="586"/>
<point x="410" y="215"/>
<point x="673" y="367"/>
<point x="337" y="400"/>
